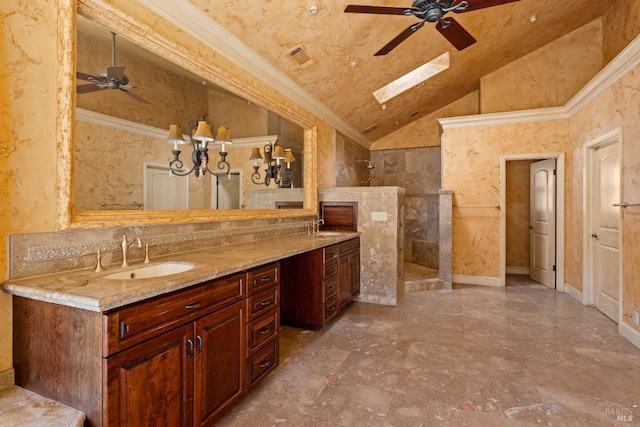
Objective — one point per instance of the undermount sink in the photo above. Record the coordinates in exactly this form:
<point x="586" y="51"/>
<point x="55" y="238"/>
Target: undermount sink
<point x="328" y="233"/>
<point x="151" y="271"/>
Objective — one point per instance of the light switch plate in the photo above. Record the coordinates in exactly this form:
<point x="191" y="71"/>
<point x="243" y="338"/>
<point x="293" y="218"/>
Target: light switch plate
<point x="378" y="216"/>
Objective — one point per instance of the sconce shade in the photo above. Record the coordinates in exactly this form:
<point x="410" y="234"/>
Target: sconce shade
<point x="278" y="153"/>
<point x="267" y="157"/>
<point x="288" y="156"/>
<point x="255" y="154"/>
<point x="175" y="135"/>
<point x="203" y="133"/>
<point x="222" y="136"/>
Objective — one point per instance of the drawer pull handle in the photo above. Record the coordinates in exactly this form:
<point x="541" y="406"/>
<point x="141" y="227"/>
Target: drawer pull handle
<point x="331" y="270"/>
<point x="265" y="363"/>
<point x="265" y="331"/>
<point x="332" y="288"/>
<point x="190" y="350"/>
<point x="194" y="304"/>
<point x="124" y="328"/>
<point x="265" y="278"/>
<point x="265" y="303"/>
<point x="332" y="309"/>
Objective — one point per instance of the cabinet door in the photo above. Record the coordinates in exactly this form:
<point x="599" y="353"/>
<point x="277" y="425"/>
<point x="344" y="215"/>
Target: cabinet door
<point x="354" y="262"/>
<point x="344" y="280"/>
<point x="219" y="363"/>
<point x="151" y="384"/>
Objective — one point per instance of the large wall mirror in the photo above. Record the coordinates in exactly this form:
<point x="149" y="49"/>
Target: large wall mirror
<point x="120" y="154"/>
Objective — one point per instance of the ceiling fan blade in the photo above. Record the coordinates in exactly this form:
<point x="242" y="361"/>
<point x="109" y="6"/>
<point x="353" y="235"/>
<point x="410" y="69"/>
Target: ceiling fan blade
<point x="378" y="10"/>
<point x="457" y="36"/>
<point x="87" y="88"/>
<point x="136" y="97"/>
<point x="115" y="73"/>
<point x="481" y="4"/>
<point x="84" y="76"/>
<point x="399" y="39"/>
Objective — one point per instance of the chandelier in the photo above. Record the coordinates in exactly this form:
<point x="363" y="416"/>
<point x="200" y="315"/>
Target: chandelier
<point x="274" y="157"/>
<point x="199" y="135"/>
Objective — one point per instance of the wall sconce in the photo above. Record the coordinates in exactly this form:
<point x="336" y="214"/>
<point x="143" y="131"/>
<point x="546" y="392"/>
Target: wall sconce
<point x="199" y="134"/>
<point x="274" y="156"/>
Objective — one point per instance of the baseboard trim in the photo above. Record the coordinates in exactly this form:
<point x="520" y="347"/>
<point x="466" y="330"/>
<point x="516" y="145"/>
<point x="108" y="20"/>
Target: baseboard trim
<point x="476" y="280"/>
<point x="573" y="292"/>
<point x="7" y="378"/>
<point x="629" y="333"/>
<point x="511" y="269"/>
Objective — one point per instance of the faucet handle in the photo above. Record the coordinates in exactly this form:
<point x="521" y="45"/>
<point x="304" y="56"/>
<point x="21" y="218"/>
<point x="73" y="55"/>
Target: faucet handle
<point x="99" y="266"/>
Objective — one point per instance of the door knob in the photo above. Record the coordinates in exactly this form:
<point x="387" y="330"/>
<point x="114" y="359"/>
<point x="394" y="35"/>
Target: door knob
<point x="531" y="227"/>
<point x="594" y="235"/>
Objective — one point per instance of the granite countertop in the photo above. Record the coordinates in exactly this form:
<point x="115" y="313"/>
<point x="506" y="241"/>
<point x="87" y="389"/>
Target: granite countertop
<point x="89" y="290"/>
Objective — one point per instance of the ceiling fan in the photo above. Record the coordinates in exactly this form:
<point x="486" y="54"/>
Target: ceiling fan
<point x="431" y="11"/>
<point x="112" y="78"/>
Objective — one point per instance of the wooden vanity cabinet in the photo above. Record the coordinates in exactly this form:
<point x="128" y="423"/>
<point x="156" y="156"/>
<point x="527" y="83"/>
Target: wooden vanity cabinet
<point x="262" y="322"/>
<point x="176" y="360"/>
<point x="317" y="284"/>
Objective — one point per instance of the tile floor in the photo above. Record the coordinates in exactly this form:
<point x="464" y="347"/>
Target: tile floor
<point x="476" y="356"/>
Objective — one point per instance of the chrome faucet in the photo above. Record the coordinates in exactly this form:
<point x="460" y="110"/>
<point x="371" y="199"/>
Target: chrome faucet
<point x="125" y="249"/>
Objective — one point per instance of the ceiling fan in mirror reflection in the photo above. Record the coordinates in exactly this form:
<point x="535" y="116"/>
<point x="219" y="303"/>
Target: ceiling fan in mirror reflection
<point x="199" y="136"/>
<point x="112" y="78"/>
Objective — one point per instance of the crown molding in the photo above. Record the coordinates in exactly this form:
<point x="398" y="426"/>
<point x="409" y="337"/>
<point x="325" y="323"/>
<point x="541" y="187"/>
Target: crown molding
<point x="193" y="21"/>
<point x="622" y="64"/>
<point x="93" y="117"/>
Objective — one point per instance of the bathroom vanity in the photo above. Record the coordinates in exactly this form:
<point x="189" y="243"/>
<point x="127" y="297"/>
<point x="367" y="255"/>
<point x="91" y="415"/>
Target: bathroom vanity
<point x="175" y="350"/>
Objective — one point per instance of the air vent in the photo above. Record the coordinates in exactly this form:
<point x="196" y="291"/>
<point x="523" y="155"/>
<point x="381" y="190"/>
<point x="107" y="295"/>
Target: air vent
<point x="299" y="56"/>
<point x="370" y="128"/>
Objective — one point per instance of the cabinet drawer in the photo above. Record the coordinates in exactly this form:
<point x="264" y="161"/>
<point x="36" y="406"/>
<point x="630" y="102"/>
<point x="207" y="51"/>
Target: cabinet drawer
<point x="262" y="362"/>
<point x="330" y="287"/>
<point x="329" y="253"/>
<point x="330" y="308"/>
<point x="349" y="246"/>
<point x="136" y="323"/>
<point x="262" y="330"/>
<point x="262" y="302"/>
<point x="263" y="277"/>
<point x="330" y="269"/>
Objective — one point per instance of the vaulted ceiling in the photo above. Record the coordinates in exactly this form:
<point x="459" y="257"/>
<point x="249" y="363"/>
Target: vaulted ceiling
<point x="342" y="71"/>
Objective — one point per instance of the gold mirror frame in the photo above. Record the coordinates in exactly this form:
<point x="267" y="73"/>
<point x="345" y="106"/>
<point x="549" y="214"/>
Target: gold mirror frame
<point x="120" y="22"/>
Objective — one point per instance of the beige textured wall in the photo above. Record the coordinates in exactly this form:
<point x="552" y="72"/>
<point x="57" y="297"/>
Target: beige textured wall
<point x="621" y="25"/>
<point x="517" y="209"/>
<point x="548" y="77"/>
<point x="426" y="131"/>
<point x="618" y="107"/>
<point x="471" y="168"/>
<point x="27" y="145"/>
<point x="348" y="173"/>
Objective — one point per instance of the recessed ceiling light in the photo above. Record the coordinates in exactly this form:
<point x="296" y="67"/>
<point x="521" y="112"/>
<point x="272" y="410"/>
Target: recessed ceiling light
<point x="353" y="64"/>
<point x="313" y="9"/>
<point x="533" y="19"/>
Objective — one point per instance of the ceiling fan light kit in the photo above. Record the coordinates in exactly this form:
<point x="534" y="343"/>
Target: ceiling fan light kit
<point x="432" y="11"/>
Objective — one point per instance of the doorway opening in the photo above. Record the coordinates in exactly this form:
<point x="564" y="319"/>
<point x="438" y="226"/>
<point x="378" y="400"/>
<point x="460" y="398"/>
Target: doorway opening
<point x="532" y="233"/>
<point x="226" y="191"/>
<point x="163" y="190"/>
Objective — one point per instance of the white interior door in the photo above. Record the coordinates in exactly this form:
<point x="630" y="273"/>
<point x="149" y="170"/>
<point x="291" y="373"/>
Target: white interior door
<point x="226" y="189"/>
<point x="542" y="222"/>
<point x="163" y="191"/>
<point x="606" y="229"/>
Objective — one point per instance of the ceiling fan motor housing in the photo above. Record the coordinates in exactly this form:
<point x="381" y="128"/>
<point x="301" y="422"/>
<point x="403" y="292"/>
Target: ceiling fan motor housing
<point x="429" y="11"/>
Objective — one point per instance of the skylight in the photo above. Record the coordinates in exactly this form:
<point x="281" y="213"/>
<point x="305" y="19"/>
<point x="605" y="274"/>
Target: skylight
<point x="412" y="78"/>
